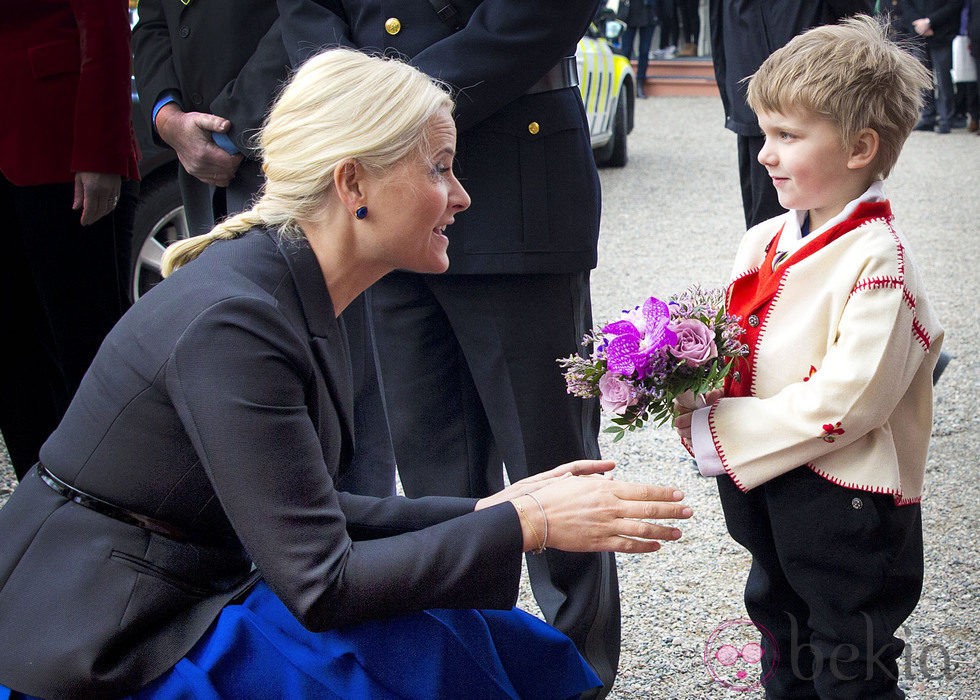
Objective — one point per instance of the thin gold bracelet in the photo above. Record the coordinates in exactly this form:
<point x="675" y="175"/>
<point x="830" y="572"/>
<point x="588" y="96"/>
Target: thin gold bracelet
<point x="544" y="540"/>
<point x="534" y="531"/>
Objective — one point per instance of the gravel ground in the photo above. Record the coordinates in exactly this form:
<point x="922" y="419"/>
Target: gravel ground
<point x="672" y="217"/>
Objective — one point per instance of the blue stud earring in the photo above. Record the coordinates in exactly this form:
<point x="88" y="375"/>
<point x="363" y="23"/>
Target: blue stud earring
<point x="361" y="212"/>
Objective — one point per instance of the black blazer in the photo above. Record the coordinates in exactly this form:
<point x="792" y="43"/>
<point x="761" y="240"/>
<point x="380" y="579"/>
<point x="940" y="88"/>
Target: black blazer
<point x="189" y="49"/>
<point x="535" y="190"/>
<point x="221" y="403"/>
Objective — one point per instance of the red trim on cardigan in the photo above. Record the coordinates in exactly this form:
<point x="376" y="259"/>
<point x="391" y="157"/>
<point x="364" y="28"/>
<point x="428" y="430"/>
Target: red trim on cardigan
<point x="721" y="451"/>
<point x="921" y="334"/>
<point x="753" y="292"/>
<point x="896" y="495"/>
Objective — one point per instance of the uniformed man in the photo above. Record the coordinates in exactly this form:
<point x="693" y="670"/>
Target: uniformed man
<point x="468" y="357"/>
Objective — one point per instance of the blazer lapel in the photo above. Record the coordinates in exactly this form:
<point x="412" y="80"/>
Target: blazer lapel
<point x="328" y="339"/>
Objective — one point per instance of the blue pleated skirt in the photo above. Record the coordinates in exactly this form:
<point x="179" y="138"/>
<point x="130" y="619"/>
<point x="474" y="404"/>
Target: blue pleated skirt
<point x="258" y="650"/>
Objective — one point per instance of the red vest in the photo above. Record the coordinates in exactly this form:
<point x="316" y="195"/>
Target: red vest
<point x="752" y="295"/>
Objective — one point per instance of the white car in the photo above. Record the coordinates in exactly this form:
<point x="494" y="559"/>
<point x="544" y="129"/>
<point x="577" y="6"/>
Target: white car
<point x="608" y="87"/>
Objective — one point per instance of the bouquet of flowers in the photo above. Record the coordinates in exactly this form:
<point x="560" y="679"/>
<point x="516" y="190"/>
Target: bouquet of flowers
<point x="653" y="354"/>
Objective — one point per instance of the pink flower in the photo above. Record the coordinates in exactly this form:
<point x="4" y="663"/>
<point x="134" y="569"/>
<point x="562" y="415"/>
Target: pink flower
<point x="695" y="342"/>
<point x="615" y="395"/>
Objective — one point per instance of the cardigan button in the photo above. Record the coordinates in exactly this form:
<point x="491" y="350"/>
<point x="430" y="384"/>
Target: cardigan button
<point x="857" y="503"/>
<point x="753" y="321"/>
<point x="737" y="376"/>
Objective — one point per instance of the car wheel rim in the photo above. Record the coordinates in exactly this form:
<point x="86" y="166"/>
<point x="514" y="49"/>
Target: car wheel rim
<point x="171" y="227"/>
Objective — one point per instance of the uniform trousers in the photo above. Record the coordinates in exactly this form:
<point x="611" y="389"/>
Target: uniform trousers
<point x="59" y="282"/>
<point x="372" y="470"/>
<point x="468" y="364"/>
<point x="834" y="573"/>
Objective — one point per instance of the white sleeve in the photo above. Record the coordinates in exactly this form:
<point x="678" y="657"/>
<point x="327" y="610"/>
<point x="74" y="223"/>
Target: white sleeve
<point x="709" y="462"/>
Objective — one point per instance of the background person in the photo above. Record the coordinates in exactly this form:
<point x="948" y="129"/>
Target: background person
<point x="932" y="24"/>
<point x="66" y="145"/>
<point x="209" y="430"/>
<point x="641" y="20"/>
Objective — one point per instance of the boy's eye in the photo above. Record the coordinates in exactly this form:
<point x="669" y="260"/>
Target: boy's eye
<point x="785" y="136"/>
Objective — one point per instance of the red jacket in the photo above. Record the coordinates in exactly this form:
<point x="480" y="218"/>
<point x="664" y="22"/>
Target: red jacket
<point x="66" y="89"/>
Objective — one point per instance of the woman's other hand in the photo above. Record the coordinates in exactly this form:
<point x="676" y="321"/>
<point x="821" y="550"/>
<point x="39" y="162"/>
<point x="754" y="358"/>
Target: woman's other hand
<point x="580" y="467"/>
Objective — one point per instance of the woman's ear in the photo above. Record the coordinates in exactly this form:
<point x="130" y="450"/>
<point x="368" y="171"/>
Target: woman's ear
<point x="864" y="149"/>
<point x="348" y="179"/>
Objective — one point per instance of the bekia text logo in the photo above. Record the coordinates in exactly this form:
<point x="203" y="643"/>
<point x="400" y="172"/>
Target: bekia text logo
<point x="734" y="657"/>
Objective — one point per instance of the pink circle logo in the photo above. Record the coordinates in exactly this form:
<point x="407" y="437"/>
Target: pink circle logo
<point x="735" y="658"/>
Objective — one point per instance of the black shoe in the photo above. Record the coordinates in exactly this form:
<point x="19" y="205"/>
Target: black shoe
<point x="924" y="125"/>
<point x="640" y="93"/>
<point x="942" y="128"/>
<point x="944" y="359"/>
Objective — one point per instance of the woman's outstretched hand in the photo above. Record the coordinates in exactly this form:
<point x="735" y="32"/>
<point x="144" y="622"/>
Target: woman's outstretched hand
<point x="582" y="509"/>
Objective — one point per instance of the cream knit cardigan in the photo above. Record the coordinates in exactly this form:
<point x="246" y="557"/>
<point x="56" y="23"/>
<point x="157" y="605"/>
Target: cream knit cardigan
<point x="843" y="368"/>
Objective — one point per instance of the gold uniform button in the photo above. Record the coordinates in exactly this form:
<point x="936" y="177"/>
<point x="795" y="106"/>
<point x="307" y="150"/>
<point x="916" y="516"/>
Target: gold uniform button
<point x="534" y="127"/>
<point x="393" y="26"/>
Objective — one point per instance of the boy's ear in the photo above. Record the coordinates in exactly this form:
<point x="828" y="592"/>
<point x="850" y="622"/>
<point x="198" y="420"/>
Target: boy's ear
<point x="864" y="148"/>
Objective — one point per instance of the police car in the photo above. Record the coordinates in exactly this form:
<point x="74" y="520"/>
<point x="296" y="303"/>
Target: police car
<point x="608" y="87"/>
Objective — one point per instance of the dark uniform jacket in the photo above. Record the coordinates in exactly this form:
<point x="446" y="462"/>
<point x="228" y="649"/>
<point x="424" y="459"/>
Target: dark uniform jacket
<point x="188" y="49"/>
<point x="525" y="159"/>
<point x="745" y="32"/>
<point x="220" y="404"/>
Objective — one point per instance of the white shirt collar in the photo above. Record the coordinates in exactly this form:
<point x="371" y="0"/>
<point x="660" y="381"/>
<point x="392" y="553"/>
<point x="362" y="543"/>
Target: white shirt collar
<point x="791" y="237"/>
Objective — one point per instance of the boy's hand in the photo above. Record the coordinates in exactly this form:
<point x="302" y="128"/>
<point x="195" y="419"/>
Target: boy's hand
<point x="686" y="404"/>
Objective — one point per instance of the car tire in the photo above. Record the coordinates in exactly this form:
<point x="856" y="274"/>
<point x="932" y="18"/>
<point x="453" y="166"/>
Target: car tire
<point x="617" y="154"/>
<point x="158" y="222"/>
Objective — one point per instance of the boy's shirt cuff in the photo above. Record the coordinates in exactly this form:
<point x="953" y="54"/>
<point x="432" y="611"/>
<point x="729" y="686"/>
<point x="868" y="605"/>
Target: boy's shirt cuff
<point x="703" y="445"/>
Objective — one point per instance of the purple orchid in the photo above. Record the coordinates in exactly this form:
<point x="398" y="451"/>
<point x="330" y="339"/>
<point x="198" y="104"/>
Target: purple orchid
<point x="637" y="338"/>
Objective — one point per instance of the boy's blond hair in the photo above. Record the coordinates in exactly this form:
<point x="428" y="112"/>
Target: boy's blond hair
<point x="854" y="74"/>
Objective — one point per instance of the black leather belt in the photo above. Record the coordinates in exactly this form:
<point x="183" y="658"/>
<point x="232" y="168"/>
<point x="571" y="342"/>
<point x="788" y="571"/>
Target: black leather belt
<point x="562" y="75"/>
<point x="113" y="511"/>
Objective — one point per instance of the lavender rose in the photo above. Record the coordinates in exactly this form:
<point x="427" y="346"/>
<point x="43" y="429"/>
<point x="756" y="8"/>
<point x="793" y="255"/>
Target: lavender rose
<point x="695" y="342"/>
<point x="614" y="394"/>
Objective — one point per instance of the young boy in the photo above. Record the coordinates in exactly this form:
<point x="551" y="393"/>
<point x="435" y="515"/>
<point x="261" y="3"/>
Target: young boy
<point x="822" y="434"/>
